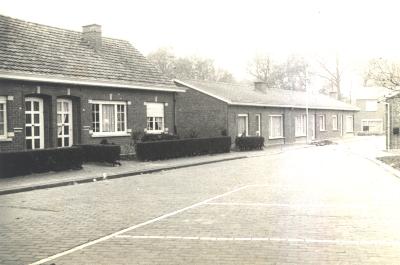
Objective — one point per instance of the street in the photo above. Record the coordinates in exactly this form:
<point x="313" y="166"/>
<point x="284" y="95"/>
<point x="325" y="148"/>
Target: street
<point x="316" y="205"/>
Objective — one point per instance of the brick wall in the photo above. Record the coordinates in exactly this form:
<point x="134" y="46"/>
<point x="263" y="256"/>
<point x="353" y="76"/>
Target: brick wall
<point x="363" y="114"/>
<point x="200" y="113"/>
<point x="82" y="114"/>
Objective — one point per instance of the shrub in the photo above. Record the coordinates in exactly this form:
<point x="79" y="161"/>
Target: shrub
<point x="249" y="142"/>
<point x="158" y="137"/>
<point x="181" y="148"/>
<point x="109" y="153"/>
<point x="38" y="161"/>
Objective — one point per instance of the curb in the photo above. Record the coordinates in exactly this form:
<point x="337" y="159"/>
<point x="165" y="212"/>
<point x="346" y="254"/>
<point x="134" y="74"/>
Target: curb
<point x="115" y="176"/>
<point x="385" y="166"/>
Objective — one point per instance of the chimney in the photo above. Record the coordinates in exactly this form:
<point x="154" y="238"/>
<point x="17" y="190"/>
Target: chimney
<point x="92" y="35"/>
<point x="260" y="86"/>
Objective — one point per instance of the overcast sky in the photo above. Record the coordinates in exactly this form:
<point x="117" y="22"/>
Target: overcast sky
<point x="231" y="32"/>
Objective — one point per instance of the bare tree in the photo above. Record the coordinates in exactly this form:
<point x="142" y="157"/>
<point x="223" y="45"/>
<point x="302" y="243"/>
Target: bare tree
<point x="382" y="72"/>
<point x="333" y="75"/>
<point x="190" y="67"/>
<point x="290" y="75"/>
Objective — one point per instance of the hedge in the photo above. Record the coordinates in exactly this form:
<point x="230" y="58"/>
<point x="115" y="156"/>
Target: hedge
<point x="109" y="153"/>
<point x="249" y="142"/>
<point x="180" y="148"/>
<point x="158" y="137"/>
<point x="39" y="161"/>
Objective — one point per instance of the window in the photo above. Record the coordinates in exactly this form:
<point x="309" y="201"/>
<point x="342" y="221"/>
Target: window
<point x="349" y="124"/>
<point x="371" y="105"/>
<point x="3" y="117"/>
<point x="334" y="123"/>
<point x="300" y="125"/>
<point x="243" y="125"/>
<point x="258" y="124"/>
<point x="155" y="117"/>
<point x="372" y="125"/>
<point x="275" y="126"/>
<point x="108" y="118"/>
<point x="322" y="124"/>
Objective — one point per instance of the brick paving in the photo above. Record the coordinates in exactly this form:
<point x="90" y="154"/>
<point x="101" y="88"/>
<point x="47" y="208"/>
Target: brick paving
<point x="319" y="205"/>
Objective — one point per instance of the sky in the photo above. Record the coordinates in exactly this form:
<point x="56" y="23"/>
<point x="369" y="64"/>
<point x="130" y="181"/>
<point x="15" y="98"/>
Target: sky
<point x="232" y="32"/>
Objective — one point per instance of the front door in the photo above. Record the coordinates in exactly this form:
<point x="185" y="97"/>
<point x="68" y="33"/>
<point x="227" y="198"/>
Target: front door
<point x="34" y="129"/>
<point x="64" y="122"/>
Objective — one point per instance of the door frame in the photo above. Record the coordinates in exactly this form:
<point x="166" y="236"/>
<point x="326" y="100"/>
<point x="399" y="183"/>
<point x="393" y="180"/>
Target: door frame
<point x="41" y="122"/>
<point x="62" y="124"/>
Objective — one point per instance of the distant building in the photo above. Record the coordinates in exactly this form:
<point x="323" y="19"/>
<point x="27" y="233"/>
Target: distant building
<point x="215" y="108"/>
<point x="371" y="117"/>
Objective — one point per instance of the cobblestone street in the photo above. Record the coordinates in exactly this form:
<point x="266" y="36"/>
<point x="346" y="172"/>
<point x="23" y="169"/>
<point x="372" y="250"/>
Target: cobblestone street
<point x="320" y="205"/>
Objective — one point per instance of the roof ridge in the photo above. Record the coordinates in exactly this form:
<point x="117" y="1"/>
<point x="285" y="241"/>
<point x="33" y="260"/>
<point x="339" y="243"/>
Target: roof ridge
<point x="57" y="28"/>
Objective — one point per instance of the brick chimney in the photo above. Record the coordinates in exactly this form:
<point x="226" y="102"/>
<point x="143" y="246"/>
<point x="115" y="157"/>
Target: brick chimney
<point x="260" y="86"/>
<point x="92" y="35"/>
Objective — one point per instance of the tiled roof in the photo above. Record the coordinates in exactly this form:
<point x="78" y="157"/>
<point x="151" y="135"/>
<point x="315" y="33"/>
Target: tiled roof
<point x="34" y="49"/>
<point x="244" y="94"/>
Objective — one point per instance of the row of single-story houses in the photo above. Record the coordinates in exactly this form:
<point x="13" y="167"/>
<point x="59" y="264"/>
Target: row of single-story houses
<point x="60" y="87"/>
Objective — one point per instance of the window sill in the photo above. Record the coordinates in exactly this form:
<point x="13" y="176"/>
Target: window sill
<point x="322" y="130"/>
<point x="275" y="138"/>
<point x="98" y="135"/>
<point x="155" y="132"/>
<point x="299" y="136"/>
<point x="335" y="130"/>
<point x="6" y="139"/>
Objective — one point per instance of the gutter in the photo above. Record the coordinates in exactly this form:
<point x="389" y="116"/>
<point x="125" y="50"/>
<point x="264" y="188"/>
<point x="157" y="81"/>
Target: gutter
<point x="78" y="81"/>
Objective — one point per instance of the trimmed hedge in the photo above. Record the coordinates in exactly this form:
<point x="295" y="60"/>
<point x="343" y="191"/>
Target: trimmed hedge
<point x="158" y="137"/>
<point x="39" y="161"/>
<point x="180" y="148"/>
<point x="109" y="153"/>
<point x="249" y="142"/>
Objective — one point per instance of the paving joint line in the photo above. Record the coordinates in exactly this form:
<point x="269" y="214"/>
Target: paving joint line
<point x="113" y="235"/>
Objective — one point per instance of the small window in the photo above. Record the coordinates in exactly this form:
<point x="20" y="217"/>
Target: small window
<point x="300" y="125"/>
<point x="334" y="123"/>
<point x="3" y="117"/>
<point x="349" y="124"/>
<point x="275" y="126"/>
<point x="243" y="125"/>
<point x="371" y="105"/>
<point x="155" y="118"/>
<point x="322" y="125"/>
<point x="108" y="118"/>
<point x="258" y="124"/>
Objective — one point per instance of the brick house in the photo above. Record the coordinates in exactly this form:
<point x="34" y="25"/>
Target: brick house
<point x="60" y="87"/>
<point x="245" y="109"/>
<point x="392" y="119"/>
<point x="371" y="117"/>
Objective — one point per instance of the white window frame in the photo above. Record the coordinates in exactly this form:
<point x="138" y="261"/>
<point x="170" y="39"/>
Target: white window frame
<point x="372" y="120"/>
<point x="258" y="124"/>
<point x="270" y="128"/>
<point x="322" y="125"/>
<point x="334" y="122"/>
<point x="371" y="105"/>
<point x="352" y="124"/>
<point x="247" y="123"/>
<point x="162" y="130"/>
<point x="300" y="129"/>
<point x="115" y="133"/>
<point x="3" y="100"/>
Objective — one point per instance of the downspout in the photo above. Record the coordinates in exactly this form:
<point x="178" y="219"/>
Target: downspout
<point x="174" y="111"/>
<point x="387" y="105"/>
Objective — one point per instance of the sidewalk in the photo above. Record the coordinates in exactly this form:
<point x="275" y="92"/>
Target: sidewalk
<point x="96" y="172"/>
